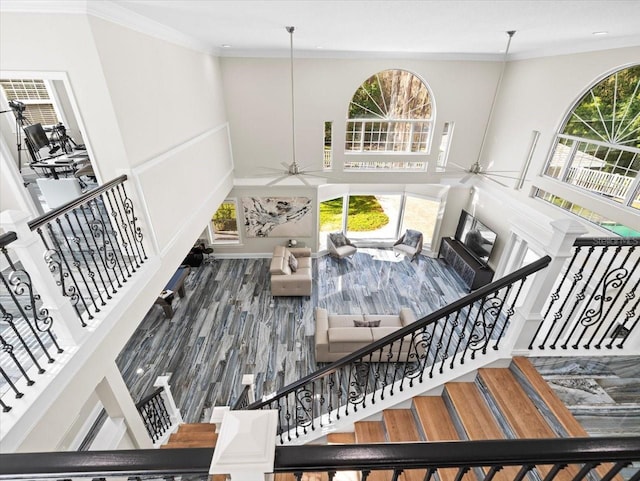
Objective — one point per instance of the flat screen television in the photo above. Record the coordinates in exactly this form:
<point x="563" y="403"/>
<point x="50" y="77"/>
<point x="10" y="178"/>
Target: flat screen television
<point x="476" y="237"/>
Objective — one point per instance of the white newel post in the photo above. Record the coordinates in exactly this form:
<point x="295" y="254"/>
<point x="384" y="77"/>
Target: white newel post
<point x="529" y="316"/>
<point x="29" y="250"/>
<point x="248" y="380"/>
<point x="246" y="445"/>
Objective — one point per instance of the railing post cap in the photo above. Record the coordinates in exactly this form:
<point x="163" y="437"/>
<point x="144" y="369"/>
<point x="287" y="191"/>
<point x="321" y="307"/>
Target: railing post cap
<point x="9" y="218"/>
<point x="246" y="442"/>
<point x="568" y="226"/>
<point x="247" y="380"/>
<point x="162" y="381"/>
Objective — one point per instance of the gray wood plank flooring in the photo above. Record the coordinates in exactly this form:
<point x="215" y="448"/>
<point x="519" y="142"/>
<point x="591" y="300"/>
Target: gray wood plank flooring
<point x="229" y="324"/>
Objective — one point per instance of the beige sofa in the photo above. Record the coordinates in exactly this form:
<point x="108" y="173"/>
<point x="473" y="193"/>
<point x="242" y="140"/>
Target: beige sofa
<point x="337" y="336"/>
<point x="284" y="282"/>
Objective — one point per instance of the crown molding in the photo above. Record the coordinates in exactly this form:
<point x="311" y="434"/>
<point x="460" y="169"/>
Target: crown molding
<point x="110" y="11"/>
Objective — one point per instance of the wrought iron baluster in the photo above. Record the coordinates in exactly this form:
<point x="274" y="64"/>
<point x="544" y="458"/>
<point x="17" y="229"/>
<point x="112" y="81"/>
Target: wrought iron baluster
<point x="71" y="291"/>
<point x="623" y="325"/>
<point x="619" y="282"/>
<point x="131" y="217"/>
<point x="472" y="327"/>
<point x="101" y="267"/>
<point x="554" y="297"/>
<point x="577" y="277"/>
<point x="463" y="335"/>
<point x="121" y="225"/>
<point x="104" y="289"/>
<point x="579" y="298"/>
<point x="510" y="311"/>
<point x="110" y="256"/>
<point x="79" y="266"/>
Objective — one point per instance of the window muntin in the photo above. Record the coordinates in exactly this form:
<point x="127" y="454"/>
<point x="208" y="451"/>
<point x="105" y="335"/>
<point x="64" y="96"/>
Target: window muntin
<point x="391" y="112"/>
<point x="39" y="107"/>
<point x="588" y="214"/>
<point x="598" y="148"/>
<point x="225" y="223"/>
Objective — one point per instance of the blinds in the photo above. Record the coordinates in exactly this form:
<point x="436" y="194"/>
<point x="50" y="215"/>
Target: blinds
<point x="34" y="94"/>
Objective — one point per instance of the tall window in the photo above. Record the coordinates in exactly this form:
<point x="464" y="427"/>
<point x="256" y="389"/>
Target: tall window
<point x="39" y="107"/>
<point x="598" y="148"/>
<point x="225" y="224"/>
<point x="391" y="112"/>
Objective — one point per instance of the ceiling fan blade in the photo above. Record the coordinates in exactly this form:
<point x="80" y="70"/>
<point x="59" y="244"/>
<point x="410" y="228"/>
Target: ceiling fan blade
<point x="278" y="179"/>
<point x="466" y="178"/>
<point x="465" y="169"/>
<point x="498" y="175"/>
<point x="493" y="180"/>
<point x="285" y="165"/>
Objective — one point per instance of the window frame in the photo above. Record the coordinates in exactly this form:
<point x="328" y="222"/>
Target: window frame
<point x="389" y="157"/>
<point x="563" y="176"/>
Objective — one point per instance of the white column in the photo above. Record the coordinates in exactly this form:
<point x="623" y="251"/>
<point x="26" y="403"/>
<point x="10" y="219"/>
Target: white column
<point x="529" y="315"/>
<point x="246" y="445"/>
<point x="117" y="401"/>
<point x="29" y="250"/>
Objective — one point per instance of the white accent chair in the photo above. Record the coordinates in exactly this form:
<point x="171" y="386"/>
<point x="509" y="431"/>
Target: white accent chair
<point x="410" y="244"/>
<point x="340" y="246"/>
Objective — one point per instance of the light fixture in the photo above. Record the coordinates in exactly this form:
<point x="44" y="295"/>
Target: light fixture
<point x="225" y="45"/>
<point x="600" y="33"/>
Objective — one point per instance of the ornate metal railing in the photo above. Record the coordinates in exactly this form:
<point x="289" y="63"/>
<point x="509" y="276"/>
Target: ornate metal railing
<point x="571" y="458"/>
<point x="154" y="414"/>
<point x="462" y="330"/>
<point x="93" y="245"/>
<point x="595" y="302"/>
<point x="27" y="341"/>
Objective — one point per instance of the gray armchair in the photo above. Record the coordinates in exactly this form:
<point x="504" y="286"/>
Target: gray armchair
<point x="409" y="244"/>
<point x="340" y="246"/>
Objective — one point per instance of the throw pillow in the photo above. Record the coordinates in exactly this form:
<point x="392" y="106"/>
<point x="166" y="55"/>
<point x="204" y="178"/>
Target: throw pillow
<point x="338" y="239"/>
<point x="357" y="323"/>
<point x="412" y="237"/>
<point x="293" y="263"/>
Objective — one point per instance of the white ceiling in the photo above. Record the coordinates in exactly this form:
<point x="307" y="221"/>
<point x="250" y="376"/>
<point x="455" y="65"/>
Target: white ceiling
<point x="417" y="28"/>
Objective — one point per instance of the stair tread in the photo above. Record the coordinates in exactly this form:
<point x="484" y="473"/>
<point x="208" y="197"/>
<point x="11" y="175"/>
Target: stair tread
<point x="401" y="428"/>
<point x="520" y="412"/>
<point x="372" y="432"/>
<point x="189" y="444"/>
<point x="473" y="412"/>
<point x="192" y="436"/>
<point x="517" y="408"/>
<point x="477" y="420"/>
<point x="437" y="425"/>
<point x="193" y="427"/>
<point x="341" y="438"/>
<point x="557" y="407"/>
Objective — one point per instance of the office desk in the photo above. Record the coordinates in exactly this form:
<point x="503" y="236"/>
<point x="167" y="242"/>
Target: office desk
<point x="63" y="163"/>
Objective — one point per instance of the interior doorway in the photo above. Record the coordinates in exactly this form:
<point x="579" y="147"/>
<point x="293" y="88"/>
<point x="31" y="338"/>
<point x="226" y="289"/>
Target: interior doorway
<point x="41" y="133"/>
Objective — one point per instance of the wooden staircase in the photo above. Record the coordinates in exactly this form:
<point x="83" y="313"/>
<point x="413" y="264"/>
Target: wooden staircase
<point x="502" y="403"/>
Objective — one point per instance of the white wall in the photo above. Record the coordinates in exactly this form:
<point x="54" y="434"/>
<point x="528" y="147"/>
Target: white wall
<point x="536" y="95"/>
<point x="258" y="99"/>
<point x="149" y="109"/>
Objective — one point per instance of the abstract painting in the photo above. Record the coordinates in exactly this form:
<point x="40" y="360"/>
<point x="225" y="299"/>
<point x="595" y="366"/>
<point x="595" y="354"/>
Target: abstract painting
<point x="277" y="216"/>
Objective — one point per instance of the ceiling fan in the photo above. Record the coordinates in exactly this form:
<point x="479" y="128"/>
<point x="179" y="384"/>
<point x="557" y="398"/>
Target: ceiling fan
<point x="294" y="169"/>
<point x="476" y="168"/>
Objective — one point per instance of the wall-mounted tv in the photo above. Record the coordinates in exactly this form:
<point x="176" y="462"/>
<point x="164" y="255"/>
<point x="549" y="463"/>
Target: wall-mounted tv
<point x="476" y="237"/>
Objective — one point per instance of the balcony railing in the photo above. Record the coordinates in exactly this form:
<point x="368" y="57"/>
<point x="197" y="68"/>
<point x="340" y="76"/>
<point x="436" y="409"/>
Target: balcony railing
<point x="91" y="246"/>
<point x="595" y="302"/>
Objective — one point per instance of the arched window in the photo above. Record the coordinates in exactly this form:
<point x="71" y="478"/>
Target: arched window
<point x="598" y="147"/>
<point x="390" y="112"/>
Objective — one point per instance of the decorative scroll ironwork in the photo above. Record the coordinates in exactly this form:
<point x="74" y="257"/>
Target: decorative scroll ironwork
<point x="27" y="340"/>
<point x="93" y="245"/>
<point x="594" y="304"/>
<point x="155" y="415"/>
<point x="467" y="327"/>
